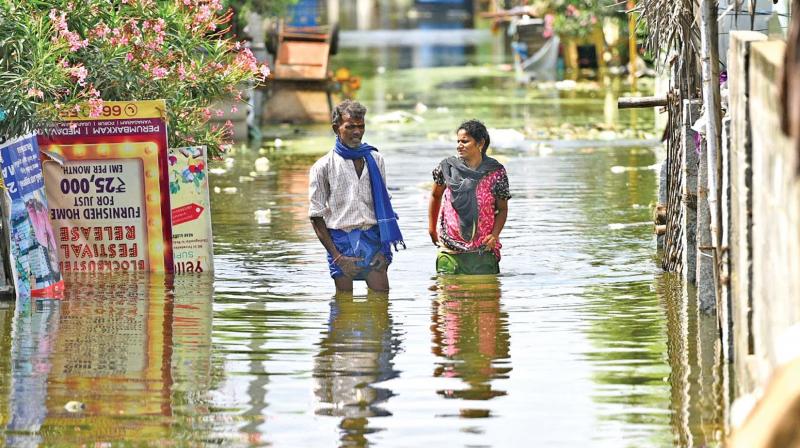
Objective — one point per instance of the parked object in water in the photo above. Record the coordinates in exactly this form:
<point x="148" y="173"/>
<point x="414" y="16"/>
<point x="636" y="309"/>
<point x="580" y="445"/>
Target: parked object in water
<point x="535" y="56"/>
<point x="300" y="87"/>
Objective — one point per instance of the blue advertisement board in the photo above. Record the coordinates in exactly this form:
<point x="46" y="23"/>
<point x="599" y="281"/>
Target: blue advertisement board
<point x="34" y="247"/>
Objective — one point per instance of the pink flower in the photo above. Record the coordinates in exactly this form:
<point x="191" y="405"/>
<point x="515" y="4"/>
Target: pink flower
<point x="62" y="31"/>
<point x="59" y="21"/>
<point x="74" y="40"/>
<point x="572" y="10"/>
<point x="101" y="30"/>
<point x="95" y="107"/>
<point x="35" y="93"/>
<point x="234" y="109"/>
<point x="549" y="20"/>
<point x="159" y="26"/>
<point x="159" y="72"/>
<point x="79" y="74"/>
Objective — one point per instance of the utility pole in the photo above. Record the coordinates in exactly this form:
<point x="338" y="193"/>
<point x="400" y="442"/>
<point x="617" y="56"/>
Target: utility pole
<point x="709" y="41"/>
<point x="632" y="46"/>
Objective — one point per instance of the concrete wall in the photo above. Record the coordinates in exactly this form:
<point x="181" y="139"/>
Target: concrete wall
<point x="765" y="258"/>
<point x="741" y="203"/>
<point x="776" y="210"/>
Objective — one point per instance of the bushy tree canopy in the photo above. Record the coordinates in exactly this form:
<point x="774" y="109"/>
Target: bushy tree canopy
<point x="574" y="18"/>
<point x="57" y="56"/>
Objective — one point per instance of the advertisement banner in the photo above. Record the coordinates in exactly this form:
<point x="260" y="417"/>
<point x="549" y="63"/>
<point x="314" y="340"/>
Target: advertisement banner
<point x="191" y="210"/>
<point x="109" y="197"/>
<point x="34" y="245"/>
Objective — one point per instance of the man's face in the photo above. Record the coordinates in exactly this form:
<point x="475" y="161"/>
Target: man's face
<point x="350" y="131"/>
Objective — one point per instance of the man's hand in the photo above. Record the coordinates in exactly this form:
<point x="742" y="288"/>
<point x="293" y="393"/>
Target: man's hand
<point x="378" y="263"/>
<point x="348" y="265"/>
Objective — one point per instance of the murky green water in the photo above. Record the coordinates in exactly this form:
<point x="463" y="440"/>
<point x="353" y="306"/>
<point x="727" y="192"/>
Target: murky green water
<point x="581" y="341"/>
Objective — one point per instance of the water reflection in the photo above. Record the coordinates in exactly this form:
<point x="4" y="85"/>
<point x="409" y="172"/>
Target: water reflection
<point x="35" y="327"/>
<point x="6" y="325"/>
<point x="192" y="372"/>
<point x="470" y="336"/>
<point x="695" y="359"/>
<point x="115" y="360"/>
<point x="356" y="353"/>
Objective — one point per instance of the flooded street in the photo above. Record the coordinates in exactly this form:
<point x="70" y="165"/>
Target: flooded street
<point x="580" y="341"/>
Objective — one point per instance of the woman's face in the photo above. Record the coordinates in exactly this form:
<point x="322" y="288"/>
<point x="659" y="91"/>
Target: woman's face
<point x="468" y="148"/>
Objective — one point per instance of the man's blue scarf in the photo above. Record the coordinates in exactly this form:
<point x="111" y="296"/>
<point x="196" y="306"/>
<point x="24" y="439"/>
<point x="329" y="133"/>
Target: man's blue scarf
<point x="387" y="218"/>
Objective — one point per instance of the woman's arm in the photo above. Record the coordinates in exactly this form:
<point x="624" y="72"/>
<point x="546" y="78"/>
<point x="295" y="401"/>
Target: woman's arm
<point x="433" y="211"/>
<point x="501" y="206"/>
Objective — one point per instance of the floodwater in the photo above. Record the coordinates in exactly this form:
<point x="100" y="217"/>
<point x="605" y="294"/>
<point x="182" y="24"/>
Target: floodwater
<point x="581" y="341"/>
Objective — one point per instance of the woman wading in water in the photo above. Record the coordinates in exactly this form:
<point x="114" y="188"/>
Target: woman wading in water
<point x="469" y="202"/>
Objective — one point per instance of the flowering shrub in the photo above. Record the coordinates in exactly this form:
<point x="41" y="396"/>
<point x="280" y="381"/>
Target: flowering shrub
<point x="57" y="55"/>
<point x="263" y="7"/>
<point x="573" y="18"/>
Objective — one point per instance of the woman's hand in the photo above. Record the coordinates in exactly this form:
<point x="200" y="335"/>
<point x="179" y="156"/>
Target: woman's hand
<point x="348" y="265"/>
<point x="434" y="237"/>
<point x="490" y="241"/>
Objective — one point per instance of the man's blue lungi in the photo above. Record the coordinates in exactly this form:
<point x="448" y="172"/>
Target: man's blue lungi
<point x="358" y="243"/>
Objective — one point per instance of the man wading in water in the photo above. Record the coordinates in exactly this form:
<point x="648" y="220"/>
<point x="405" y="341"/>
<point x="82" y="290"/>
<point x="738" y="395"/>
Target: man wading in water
<point x="349" y="205"/>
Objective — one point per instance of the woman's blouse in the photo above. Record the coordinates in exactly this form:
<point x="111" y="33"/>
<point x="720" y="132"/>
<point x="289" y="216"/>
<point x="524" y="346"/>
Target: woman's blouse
<point x="493" y="186"/>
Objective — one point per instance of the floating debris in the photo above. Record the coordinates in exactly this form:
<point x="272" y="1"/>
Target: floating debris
<point x="263" y="216"/>
<point x="566" y="84"/>
<point x="616" y="169"/>
<point x="217" y="171"/>
<point x="541" y="149"/>
<point x="243" y="179"/>
<point x="230" y="190"/>
<point x="506" y="138"/>
<point x="397" y="116"/>
<point x="262" y="164"/>
<point x="75" y="406"/>
<point x="620" y="226"/>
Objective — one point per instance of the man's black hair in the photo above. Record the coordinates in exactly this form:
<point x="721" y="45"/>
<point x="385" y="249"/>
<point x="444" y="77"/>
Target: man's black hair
<point x="352" y="109"/>
<point x="477" y="131"/>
